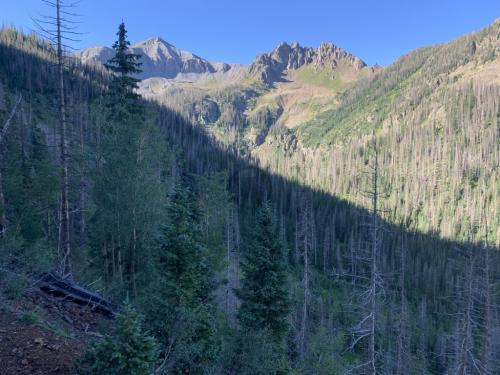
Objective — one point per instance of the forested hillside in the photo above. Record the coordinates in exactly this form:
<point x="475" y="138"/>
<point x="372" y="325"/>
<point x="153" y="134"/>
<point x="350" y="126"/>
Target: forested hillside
<point x="434" y="113"/>
<point x="227" y="259"/>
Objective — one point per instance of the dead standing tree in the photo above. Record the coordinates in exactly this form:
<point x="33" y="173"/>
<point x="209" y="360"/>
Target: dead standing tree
<point x="371" y="279"/>
<point x="59" y="31"/>
<point x="490" y="358"/>
<point x="403" y="362"/>
<point x="308" y="237"/>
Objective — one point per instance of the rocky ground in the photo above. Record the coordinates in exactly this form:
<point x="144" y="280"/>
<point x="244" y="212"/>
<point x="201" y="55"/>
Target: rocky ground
<point x="43" y="335"/>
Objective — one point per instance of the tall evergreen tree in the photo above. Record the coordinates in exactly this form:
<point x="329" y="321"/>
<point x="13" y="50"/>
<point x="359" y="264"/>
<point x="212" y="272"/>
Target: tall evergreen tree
<point x="123" y="66"/>
<point x="264" y="290"/>
<point x="181" y="309"/>
<point x="129" y="177"/>
<point x="182" y="254"/>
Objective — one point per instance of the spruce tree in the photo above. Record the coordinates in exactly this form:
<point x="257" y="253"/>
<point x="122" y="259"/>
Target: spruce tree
<point x="130" y="351"/>
<point x="128" y="174"/>
<point x="182" y="254"/>
<point x="123" y="66"/>
<point x="264" y="291"/>
<point x="181" y="309"/>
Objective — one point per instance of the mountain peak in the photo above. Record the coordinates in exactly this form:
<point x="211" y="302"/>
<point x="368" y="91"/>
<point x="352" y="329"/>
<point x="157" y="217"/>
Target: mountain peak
<point x="159" y="59"/>
<point x="151" y="40"/>
<point x="155" y="40"/>
<point x="269" y="67"/>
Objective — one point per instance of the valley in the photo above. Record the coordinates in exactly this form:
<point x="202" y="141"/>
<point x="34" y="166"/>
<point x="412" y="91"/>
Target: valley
<point x="305" y="213"/>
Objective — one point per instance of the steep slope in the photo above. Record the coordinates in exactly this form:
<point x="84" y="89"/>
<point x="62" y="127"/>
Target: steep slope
<point x="435" y="114"/>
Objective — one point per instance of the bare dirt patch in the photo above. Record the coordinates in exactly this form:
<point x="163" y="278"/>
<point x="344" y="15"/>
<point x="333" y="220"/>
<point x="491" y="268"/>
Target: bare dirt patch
<point x="42" y="335"/>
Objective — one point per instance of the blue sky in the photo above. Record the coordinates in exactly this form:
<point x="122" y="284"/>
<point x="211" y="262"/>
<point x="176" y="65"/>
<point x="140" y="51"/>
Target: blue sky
<point x="237" y="30"/>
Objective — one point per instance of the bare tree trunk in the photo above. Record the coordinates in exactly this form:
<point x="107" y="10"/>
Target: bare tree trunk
<point x="65" y="268"/>
<point x="374" y="266"/>
<point x="489" y="325"/>
<point x="133" y="256"/>
<point x="352" y="252"/>
<point x="3" y="216"/>
<point x="305" y="302"/>
<point x="305" y="280"/>
<point x="113" y="259"/>
<point x="326" y="247"/>
<point x="296" y="252"/>
<point x="82" y="184"/>
<point x="401" y="365"/>
<point x="229" y="236"/>
<point x="466" y="339"/>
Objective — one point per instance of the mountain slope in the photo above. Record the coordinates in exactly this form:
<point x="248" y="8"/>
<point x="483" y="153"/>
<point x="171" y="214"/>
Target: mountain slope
<point x="434" y="113"/>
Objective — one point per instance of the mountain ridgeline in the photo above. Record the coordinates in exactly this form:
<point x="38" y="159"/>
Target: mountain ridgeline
<point x="158" y="59"/>
<point x="305" y="214"/>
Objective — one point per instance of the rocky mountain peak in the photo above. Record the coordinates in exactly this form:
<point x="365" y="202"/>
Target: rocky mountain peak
<point x="329" y="55"/>
<point x="269" y="67"/>
<point x="159" y="59"/>
<point x="153" y="40"/>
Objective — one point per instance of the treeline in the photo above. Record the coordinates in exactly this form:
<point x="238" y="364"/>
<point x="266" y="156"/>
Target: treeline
<point x="233" y="269"/>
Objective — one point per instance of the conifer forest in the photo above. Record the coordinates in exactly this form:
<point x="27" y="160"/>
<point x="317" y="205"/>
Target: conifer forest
<point x="304" y="214"/>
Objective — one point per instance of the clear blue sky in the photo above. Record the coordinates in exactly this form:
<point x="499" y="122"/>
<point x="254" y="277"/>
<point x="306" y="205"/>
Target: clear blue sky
<point x="237" y="30"/>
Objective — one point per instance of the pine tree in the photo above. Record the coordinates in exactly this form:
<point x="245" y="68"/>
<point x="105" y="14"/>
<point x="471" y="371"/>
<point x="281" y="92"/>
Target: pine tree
<point x="128" y="174"/>
<point x="124" y="62"/>
<point x="182" y="254"/>
<point x="264" y="290"/>
<point x="180" y="308"/>
<point x="123" y="66"/>
<point x="129" y="351"/>
<point x="38" y="188"/>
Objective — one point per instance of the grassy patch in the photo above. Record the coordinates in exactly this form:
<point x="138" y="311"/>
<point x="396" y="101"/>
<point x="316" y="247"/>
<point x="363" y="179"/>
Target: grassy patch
<point x="325" y="78"/>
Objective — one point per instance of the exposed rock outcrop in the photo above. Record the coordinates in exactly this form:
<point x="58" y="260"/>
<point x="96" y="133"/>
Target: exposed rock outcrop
<point x="269" y="67"/>
<point x="159" y="59"/>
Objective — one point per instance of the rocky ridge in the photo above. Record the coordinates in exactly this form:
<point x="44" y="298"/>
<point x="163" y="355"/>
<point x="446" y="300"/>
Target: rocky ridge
<point x="270" y="67"/>
<point x="161" y="59"/>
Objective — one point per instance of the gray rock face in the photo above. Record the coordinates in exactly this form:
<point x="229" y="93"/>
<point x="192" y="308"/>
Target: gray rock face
<point x="95" y="55"/>
<point x="159" y="59"/>
<point x="329" y="55"/>
<point x="269" y="67"/>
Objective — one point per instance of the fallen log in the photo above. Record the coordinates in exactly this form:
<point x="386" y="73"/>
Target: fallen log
<point x="56" y="286"/>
